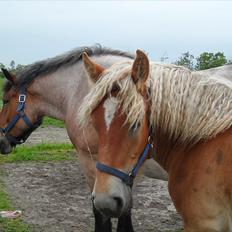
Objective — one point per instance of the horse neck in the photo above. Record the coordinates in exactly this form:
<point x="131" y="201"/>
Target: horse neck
<point x="56" y="90"/>
<point x="180" y="157"/>
<point x="61" y="93"/>
<point x="163" y="150"/>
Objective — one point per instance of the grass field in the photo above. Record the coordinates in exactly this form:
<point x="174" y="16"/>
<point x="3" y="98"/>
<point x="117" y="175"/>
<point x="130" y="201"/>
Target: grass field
<point x="52" y="122"/>
<point x="41" y="152"/>
<point x="23" y="153"/>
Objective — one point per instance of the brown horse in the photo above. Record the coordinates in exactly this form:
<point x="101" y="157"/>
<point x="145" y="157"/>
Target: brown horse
<point x="186" y="116"/>
<point x="56" y="88"/>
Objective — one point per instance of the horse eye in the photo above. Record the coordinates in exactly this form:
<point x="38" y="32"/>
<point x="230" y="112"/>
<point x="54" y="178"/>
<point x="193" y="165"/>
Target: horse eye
<point x="115" y="87"/>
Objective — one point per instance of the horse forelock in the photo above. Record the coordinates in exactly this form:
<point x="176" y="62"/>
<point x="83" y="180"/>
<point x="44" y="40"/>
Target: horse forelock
<point x="132" y="103"/>
<point x="186" y="106"/>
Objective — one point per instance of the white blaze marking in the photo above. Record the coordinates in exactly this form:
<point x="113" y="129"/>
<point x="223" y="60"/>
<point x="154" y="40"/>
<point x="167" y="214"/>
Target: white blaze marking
<point x="110" y="106"/>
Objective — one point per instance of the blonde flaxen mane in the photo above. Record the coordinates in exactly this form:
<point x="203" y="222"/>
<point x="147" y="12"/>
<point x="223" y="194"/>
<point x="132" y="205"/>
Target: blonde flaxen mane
<point x="186" y="106"/>
<point x="132" y="102"/>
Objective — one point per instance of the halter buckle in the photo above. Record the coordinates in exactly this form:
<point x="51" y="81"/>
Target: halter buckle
<point x="130" y="180"/>
<point x="3" y="131"/>
<point x="22" y="98"/>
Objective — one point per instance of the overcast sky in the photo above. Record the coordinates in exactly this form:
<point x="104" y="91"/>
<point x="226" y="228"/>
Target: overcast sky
<point x="35" y="30"/>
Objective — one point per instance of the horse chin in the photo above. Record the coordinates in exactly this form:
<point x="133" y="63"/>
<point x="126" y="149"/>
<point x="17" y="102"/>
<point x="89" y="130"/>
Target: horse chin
<point x="5" y="146"/>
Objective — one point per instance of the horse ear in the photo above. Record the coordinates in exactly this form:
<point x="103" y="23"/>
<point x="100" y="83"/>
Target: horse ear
<point x="94" y="70"/>
<point x="140" y="71"/>
<point x="10" y="77"/>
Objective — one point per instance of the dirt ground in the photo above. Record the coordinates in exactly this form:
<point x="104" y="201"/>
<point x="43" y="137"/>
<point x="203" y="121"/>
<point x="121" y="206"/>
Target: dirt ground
<point x="54" y="196"/>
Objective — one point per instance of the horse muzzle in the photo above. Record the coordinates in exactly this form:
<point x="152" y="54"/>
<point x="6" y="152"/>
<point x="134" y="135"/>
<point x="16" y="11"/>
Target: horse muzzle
<point x="115" y="203"/>
<point x="5" y="146"/>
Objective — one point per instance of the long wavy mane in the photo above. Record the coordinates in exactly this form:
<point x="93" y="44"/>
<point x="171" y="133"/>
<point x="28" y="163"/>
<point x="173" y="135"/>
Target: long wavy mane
<point x="186" y="106"/>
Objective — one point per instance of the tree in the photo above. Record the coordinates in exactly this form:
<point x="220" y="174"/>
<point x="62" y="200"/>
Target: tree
<point x="20" y="67"/>
<point x="12" y="65"/>
<point x="2" y="65"/>
<point x="208" y="60"/>
<point x="186" y="60"/>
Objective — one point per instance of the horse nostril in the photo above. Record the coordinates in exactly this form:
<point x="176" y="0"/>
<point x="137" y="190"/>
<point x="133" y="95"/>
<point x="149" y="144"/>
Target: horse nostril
<point x="119" y="202"/>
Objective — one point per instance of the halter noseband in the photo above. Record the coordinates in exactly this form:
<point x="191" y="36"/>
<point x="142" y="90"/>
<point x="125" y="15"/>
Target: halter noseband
<point x="127" y="178"/>
<point x="15" y="119"/>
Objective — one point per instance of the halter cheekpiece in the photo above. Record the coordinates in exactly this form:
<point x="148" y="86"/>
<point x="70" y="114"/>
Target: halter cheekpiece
<point x="128" y="178"/>
<point x="20" y="114"/>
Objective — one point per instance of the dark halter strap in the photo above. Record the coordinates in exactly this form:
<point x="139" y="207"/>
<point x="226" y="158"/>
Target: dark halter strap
<point x="20" y="115"/>
<point x="128" y="178"/>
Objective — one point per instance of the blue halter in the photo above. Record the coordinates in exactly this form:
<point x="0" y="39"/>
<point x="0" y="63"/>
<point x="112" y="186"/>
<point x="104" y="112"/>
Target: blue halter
<point x="128" y="178"/>
<point x="15" y="119"/>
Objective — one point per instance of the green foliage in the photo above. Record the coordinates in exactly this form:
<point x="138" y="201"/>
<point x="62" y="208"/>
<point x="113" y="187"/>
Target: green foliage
<point x="205" y="60"/>
<point x="41" y="152"/>
<point x="208" y="60"/>
<point x="2" y="66"/>
<point x="19" y="67"/>
<point x="12" y="65"/>
<point x="186" y="60"/>
<point x="13" y="68"/>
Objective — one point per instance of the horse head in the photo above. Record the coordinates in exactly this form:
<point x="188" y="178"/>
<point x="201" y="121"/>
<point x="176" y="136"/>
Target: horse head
<point x="118" y="107"/>
<point x="18" y="117"/>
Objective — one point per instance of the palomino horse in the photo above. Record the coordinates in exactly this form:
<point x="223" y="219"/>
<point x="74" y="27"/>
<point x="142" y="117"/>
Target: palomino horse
<point x="56" y="88"/>
<point x="185" y="116"/>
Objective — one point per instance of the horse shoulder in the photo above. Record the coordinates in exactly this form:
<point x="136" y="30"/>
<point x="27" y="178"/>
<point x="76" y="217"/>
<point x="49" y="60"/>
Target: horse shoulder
<point x="200" y="183"/>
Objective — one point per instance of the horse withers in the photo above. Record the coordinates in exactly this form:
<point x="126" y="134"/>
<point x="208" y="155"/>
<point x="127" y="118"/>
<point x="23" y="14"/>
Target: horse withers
<point x="186" y="117"/>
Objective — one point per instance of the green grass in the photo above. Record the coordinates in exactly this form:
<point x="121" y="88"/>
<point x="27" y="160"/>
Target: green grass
<point x="52" y="122"/>
<point x="13" y="225"/>
<point x="41" y="152"/>
<point x="9" y="225"/>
